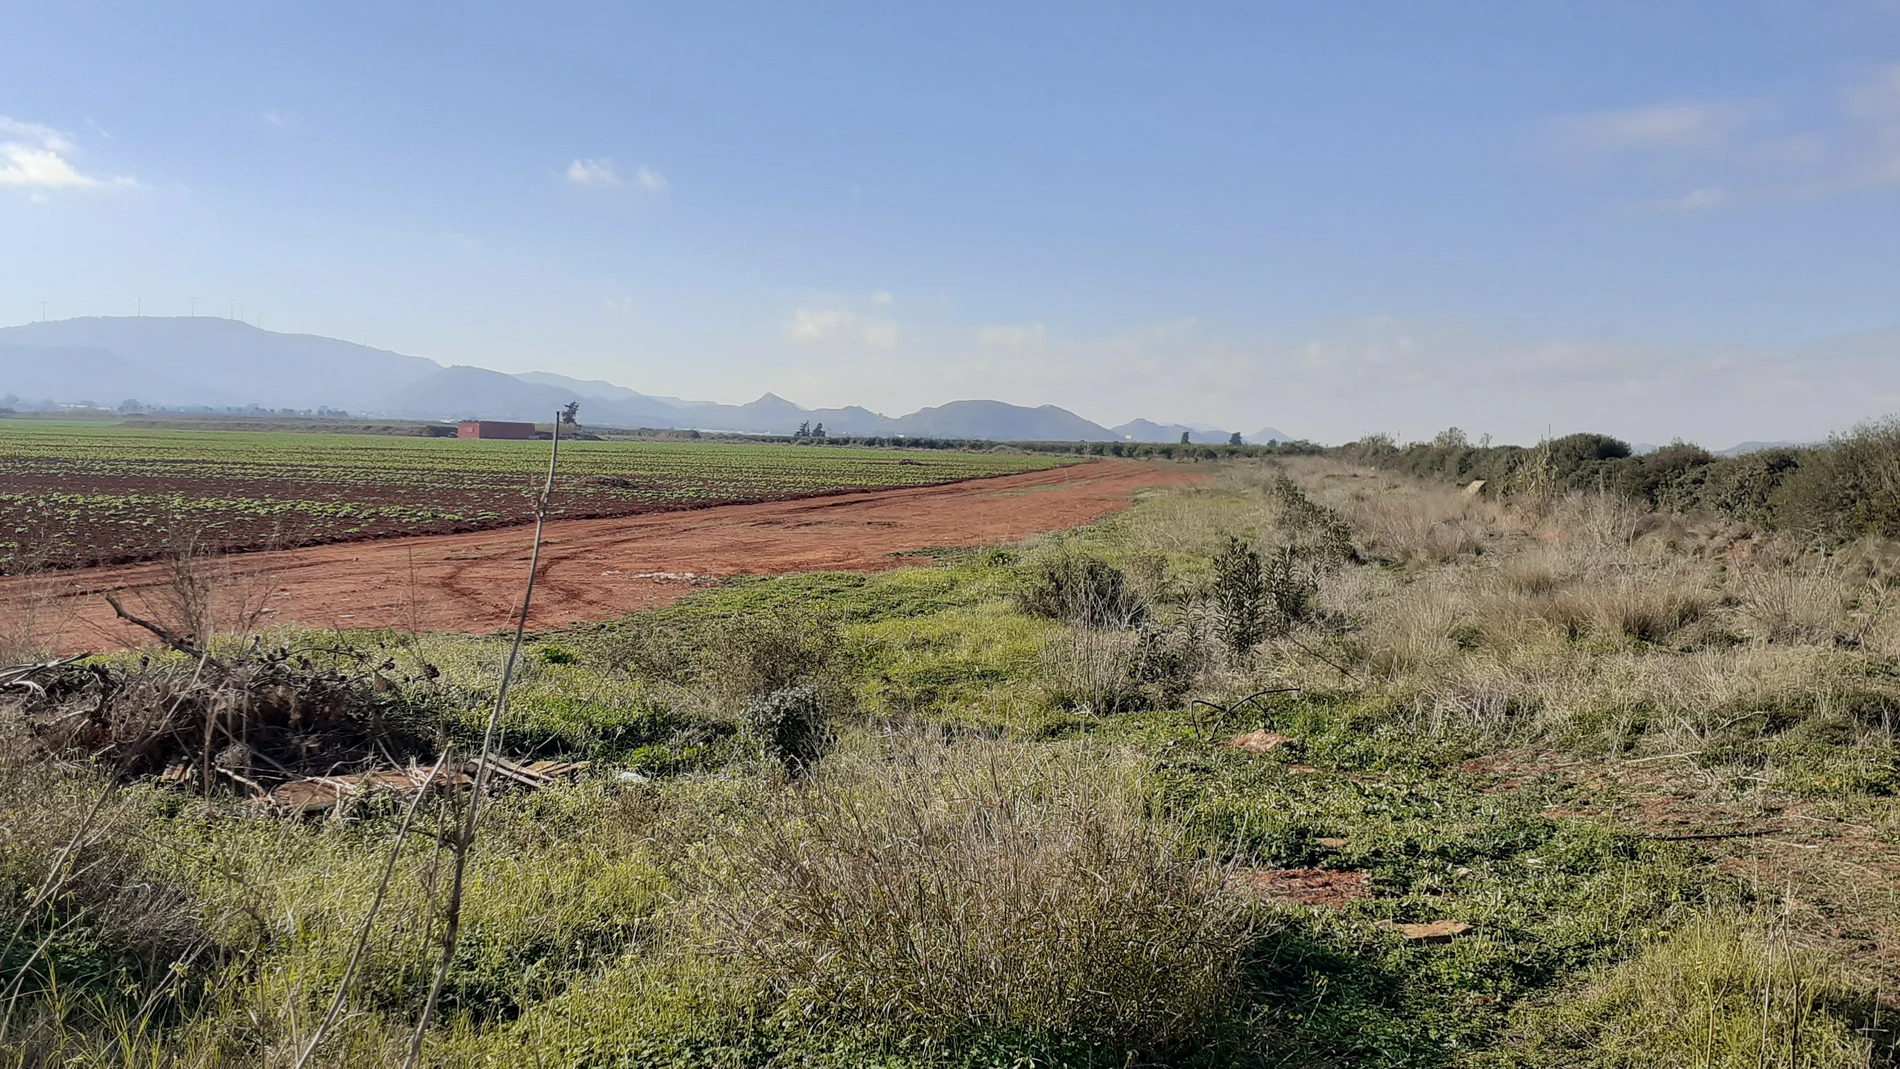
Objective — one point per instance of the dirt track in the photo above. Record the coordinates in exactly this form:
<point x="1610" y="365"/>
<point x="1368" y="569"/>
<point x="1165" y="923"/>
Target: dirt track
<point x="603" y="569"/>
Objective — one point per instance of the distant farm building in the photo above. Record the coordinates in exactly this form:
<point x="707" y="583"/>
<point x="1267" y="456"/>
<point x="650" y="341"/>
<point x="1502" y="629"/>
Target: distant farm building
<point x="488" y="428"/>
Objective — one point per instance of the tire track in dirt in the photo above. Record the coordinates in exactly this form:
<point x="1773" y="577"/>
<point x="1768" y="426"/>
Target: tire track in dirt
<point x="599" y="569"/>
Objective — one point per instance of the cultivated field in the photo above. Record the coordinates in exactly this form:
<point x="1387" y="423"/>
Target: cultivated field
<point x="1312" y="765"/>
<point x="591" y="570"/>
<point x="74" y="494"/>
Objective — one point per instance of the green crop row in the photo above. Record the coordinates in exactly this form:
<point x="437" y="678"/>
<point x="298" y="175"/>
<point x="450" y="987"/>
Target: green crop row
<point x="81" y="493"/>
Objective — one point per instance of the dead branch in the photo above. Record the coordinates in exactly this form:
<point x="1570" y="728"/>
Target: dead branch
<point x="169" y="637"/>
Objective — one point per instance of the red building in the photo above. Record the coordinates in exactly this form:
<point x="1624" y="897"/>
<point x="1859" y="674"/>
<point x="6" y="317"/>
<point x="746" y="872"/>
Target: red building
<point x="488" y="428"/>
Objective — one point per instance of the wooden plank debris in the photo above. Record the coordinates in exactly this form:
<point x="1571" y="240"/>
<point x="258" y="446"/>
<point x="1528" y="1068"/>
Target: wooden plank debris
<point x="1428" y="932"/>
<point x="315" y="793"/>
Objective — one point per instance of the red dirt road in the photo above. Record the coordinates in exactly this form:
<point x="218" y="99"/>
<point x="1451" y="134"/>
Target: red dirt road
<point x="601" y="569"/>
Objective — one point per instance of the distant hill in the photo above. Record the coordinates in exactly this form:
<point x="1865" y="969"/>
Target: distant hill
<point x="1746" y="448"/>
<point x="1142" y="430"/>
<point x="198" y="360"/>
<point x="220" y="363"/>
<point x="475" y="392"/>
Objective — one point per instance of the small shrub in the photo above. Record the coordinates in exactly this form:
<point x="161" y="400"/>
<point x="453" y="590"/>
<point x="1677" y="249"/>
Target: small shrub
<point x="1170" y="660"/>
<point x="1240" y="596"/>
<point x="1093" y="671"/>
<point x="1322" y="533"/>
<point x="1256" y="598"/>
<point x="1721" y="992"/>
<point x="942" y="892"/>
<point x="762" y="653"/>
<point x="1082" y="591"/>
<point x="1783" y="605"/>
<point x="644" y="648"/>
<point x="1849" y="487"/>
<point x="789" y="727"/>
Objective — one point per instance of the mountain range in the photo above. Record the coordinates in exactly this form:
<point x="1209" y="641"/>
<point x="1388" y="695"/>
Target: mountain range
<point x="222" y="363"/>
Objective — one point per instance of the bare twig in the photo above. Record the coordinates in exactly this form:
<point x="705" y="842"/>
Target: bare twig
<point x="465" y="839"/>
<point x="1322" y="658"/>
<point x="369" y="919"/>
<point x="171" y="638"/>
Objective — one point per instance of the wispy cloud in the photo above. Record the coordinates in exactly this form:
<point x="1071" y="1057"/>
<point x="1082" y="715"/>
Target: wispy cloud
<point x="1029" y="337"/>
<point x="1731" y="153"/>
<point x="39" y="158"/>
<point x="1704" y="126"/>
<point x="811" y="325"/>
<point x="274" y="117"/>
<point x="593" y="173"/>
<point x="602" y="174"/>
<point x="1873" y="102"/>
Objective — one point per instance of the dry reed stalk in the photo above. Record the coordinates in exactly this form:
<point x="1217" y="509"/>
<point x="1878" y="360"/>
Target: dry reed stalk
<point x="465" y="838"/>
<point x="369" y="918"/>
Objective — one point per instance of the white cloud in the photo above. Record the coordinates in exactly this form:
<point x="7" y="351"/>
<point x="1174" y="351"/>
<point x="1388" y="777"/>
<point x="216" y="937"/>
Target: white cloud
<point x="602" y="174"/>
<point x="1658" y="126"/>
<point x="275" y="117"/>
<point x="1704" y="198"/>
<point x="593" y="173"/>
<point x="881" y="297"/>
<point x="35" y="157"/>
<point x="809" y="325"/>
<point x="1730" y="154"/>
<point x="1030" y="337"/>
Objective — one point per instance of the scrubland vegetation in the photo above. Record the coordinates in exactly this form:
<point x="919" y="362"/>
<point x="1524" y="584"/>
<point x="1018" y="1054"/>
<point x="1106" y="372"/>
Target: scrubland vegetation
<point x="1160" y="791"/>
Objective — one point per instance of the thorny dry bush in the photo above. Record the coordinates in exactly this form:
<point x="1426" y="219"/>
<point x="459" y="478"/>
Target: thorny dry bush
<point x="204" y="593"/>
<point x="973" y="887"/>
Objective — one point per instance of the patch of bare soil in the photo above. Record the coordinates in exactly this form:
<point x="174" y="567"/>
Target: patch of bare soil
<point x="1257" y="742"/>
<point x="602" y="569"/>
<point x="1324" y="888"/>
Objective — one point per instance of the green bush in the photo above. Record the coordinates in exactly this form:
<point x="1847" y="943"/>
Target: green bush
<point x="1850" y="487"/>
<point x="789" y="727"/>
<point x="1834" y="492"/>
<point x="1256" y="598"/>
<point x="1083" y="591"/>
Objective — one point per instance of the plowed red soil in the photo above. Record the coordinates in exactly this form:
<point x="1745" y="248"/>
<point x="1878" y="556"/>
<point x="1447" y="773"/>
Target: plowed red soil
<point x="599" y="569"/>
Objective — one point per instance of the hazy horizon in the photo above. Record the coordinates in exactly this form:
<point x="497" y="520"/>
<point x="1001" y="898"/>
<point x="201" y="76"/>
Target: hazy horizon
<point x="1653" y="223"/>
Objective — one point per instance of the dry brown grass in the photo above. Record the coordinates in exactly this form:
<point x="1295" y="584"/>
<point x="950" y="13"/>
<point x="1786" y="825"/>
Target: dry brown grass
<point x="1092" y="672"/>
<point x="1429" y="525"/>
<point x="1732" y="993"/>
<point x="947" y="889"/>
<point x="1591" y="620"/>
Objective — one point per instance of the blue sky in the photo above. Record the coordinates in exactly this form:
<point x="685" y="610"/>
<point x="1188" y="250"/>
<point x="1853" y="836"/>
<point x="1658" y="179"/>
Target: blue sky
<point x="1657" y="219"/>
